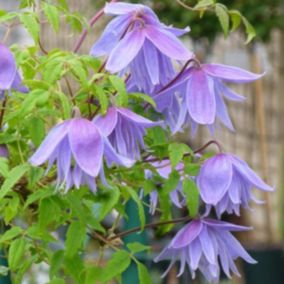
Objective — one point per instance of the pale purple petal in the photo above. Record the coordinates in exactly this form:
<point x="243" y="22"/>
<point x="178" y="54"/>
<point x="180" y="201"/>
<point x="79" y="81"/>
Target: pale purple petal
<point x="230" y="73"/>
<point x="17" y="84"/>
<point x="207" y="246"/>
<point x="214" y="178"/>
<point x="106" y="123"/>
<point x="200" y="98"/>
<point x="167" y="43"/>
<point x="126" y="50"/>
<point x="87" y="145"/>
<point x="8" y="67"/>
<point x="49" y="144"/>
<point x="152" y="62"/>
<point x="122" y="8"/>
<point x="222" y="112"/>
<point x="221" y="225"/>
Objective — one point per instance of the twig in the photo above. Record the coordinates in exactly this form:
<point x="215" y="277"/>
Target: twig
<point x="2" y="112"/>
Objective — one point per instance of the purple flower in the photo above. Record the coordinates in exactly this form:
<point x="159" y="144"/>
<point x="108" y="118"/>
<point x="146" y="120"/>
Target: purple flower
<point x="4" y="152"/>
<point x="201" y="95"/>
<point x="125" y="130"/>
<point x="226" y="183"/>
<point x="78" y="147"/>
<point x="9" y="75"/>
<point x="205" y="244"/>
<point x="136" y="41"/>
<point x="164" y="169"/>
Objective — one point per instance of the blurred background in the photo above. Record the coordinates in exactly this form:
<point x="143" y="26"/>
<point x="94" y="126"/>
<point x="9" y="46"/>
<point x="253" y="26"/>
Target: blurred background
<point x="258" y="121"/>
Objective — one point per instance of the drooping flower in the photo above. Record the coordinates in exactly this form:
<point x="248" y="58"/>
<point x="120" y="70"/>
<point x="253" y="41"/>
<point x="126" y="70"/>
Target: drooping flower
<point x="206" y="244"/>
<point x="137" y="42"/>
<point x="201" y="92"/>
<point x="164" y="169"/>
<point x="125" y="130"/>
<point x="78" y="148"/>
<point x="9" y="75"/>
<point x="226" y="183"/>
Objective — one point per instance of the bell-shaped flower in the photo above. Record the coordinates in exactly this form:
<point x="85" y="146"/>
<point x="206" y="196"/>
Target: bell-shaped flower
<point x="9" y="75"/>
<point x="125" y="130"/>
<point x="4" y="152"/>
<point x="226" y="182"/>
<point x="164" y="169"/>
<point x="202" y="91"/>
<point x="136" y="42"/>
<point x="207" y="245"/>
<point x="78" y="148"/>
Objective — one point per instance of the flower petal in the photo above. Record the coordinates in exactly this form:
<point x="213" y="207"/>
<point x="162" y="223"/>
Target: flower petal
<point x="230" y="73"/>
<point x="126" y="50"/>
<point x="86" y="145"/>
<point x="222" y="112"/>
<point x="200" y="98"/>
<point x="167" y="43"/>
<point x="106" y="123"/>
<point x="122" y="8"/>
<point x="17" y="84"/>
<point x="8" y="67"/>
<point x="243" y="168"/>
<point x="207" y="246"/>
<point x="111" y="36"/>
<point x="187" y="234"/>
<point x="221" y="225"/>
<point x="49" y="144"/>
<point x="214" y="178"/>
<point x="152" y="62"/>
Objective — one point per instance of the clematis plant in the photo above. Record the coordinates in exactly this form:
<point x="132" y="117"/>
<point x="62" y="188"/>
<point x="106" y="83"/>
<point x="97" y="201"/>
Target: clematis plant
<point x="86" y="136"/>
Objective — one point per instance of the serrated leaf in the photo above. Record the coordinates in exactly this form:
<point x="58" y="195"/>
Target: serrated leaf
<point x="37" y="130"/>
<point x="66" y="106"/>
<point x="52" y="14"/>
<point x="119" y="85"/>
<point x="11" y="234"/>
<point x="76" y="235"/>
<point x="48" y="212"/>
<point x="16" y="253"/>
<point x="192" y="196"/>
<point x="143" y="274"/>
<point x="102" y="97"/>
<point x="223" y="16"/>
<point x="203" y="4"/>
<point x="137" y="247"/>
<point x="12" y="178"/>
<point x="177" y="151"/>
<point x="139" y="203"/>
<point x="118" y="263"/>
<point x="249" y="30"/>
<point x="30" y="21"/>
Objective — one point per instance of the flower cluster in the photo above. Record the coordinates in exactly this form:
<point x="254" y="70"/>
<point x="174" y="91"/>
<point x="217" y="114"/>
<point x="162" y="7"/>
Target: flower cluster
<point x="137" y="46"/>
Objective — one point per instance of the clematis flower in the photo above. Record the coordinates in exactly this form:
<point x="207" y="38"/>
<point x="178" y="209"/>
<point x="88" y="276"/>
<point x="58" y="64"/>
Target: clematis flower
<point x="201" y="91"/>
<point x="78" y="147"/>
<point x="226" y="183"/>
<point x="137" y="42"/>
<point x="125" y="130"/>
<point x="206" y="244"/>
<point x="9" y="75"/>
<point x="164" y="169"/>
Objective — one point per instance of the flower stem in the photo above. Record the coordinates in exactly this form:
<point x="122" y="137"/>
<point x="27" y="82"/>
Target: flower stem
<point x="92" y="22"/>
<point x="147" y="226"/>
<point x="2" y="112"/>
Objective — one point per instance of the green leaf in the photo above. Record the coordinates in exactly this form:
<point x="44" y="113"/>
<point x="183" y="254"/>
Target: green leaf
<point x="102" y="97"/>
<point x="16" y="253"/>
<point x="177" y="151"/>
<point x="48" y="212"/>
<point x="4" y="167"/>
<point x="203" y="4"/>
<point x="57" y="281"/>
<point x="37" y="130"/>
<point x="30" y="21"/>
<point x="52" y="14"/>
<point x="119" y="85"/>
<point x="76" y="235"/>
<point x="74" y="267"/>
<point x="143" y="97"/>
<point x="56" y="262"/>
<point x="118" y="263"/>
<point x="223" y="16"/>
<point x="11" y="234"/>
<point x="139" y="203"/>
<point x="249" y="30"/>
<point x="137" y="247"/>
<point x="66" y="106"/>
<point x="236" y="19"/>
<point x="192" y="196"/>
<point x="143" y="274"/>
<point x="12" y="178"/>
